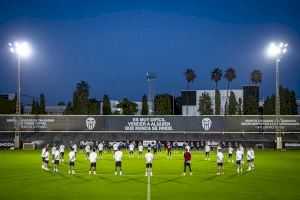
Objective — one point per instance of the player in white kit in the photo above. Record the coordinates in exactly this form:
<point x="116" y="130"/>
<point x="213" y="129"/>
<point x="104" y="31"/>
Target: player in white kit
<point x="62" y="152"/>
<point x="93" y="160"/>
<point x="140" y="149"/>
<point x="100" y="149"/>
<point x="220" y="157"/>
<point x="131" y="150"/>
<point x="238" y="159"/>
<point x="207" y="151"/>
<point x="118" y="159"/>
<point x="149" y="159"/>
<point x="72" y="158"/>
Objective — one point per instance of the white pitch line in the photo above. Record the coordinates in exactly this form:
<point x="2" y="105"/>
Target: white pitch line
<point x="148" y="189"/>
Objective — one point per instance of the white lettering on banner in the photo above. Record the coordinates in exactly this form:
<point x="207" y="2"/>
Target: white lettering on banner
<point x="270" y="123"/>
<point x="7" y="144"/>
<point x="292" y="144"/>
<point x="148" y="124"/>
<point x="31" y="123"/>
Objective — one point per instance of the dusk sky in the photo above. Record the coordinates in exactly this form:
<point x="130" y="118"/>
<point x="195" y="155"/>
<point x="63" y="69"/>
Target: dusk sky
<point x="113" y="44"/>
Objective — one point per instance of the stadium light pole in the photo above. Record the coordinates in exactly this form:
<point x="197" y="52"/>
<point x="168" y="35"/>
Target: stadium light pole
<point x="277" y="50"/>
<point x="21" y="50"/>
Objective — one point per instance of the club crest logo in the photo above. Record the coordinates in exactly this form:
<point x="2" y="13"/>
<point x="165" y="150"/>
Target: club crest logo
<point x="90" y="123"/>
<point x="206" y="123"/>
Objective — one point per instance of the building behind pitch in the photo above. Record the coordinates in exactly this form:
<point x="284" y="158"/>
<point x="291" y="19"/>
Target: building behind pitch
<point x="190" y="99"/>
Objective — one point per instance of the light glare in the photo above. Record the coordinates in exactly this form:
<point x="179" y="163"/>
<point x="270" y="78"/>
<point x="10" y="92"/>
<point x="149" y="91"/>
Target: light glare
<point x="278" y="49"/>
<point x="21" y="49"/>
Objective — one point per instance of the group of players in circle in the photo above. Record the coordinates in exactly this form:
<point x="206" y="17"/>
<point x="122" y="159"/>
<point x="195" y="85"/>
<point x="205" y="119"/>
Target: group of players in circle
<point x="92" y="156"/>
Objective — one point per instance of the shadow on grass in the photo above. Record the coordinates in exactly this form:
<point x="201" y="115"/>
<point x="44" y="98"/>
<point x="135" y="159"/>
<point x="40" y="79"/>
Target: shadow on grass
<point x="121" y="179"/>
<point x="168" y="180"/>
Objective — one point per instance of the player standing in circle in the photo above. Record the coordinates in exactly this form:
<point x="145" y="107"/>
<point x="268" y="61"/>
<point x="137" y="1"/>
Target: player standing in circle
<point x="46" y="161"/>
<point x="131" y="150"/>
<point x="220" y="157"/>
<point x="149" y="159"/>
<point x="74" y="146"/>
<point x="115" y="147"/>
<point x="238" y="159"/>
<point x="250" y="158"/>
<point x="230" y="151"/>
<point x="87" y="151"/>
<point x="155" y="150"/>
<point x="198" y="147"/>
<point x="140" y="149"/>
<point x="62" y="152"/>
<point x="100" y="149"/>
<point x="56" y="160"/>
<point x="242" y="151"/>
<point x="72" y="158"/>
<point x="43" y="156"/>
<point x="253" y="156"/>
<point x="93" y="160"/>
<point x="176" y="147"/>
<point x="118" y="158"/>
<point x="159" y="146"/>
<point x="52" y="152"/>
<point x="169" y="151"/>
<point x="187" y="161"/>
<point x="207" y="150"/>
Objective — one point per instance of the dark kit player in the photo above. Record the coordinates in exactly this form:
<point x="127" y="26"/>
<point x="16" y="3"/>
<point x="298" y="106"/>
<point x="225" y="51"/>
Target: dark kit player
<point x="187" y="161"/>
<point x="169" y="151"/>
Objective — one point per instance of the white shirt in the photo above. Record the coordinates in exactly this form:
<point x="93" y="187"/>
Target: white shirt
<point x="118" y="156"/>
<point x="53" y="150"/>
<point x="100" y="147"/>
<point x="62" y="148"/>
<point x="220" y="157"/>
<point x="74" y="146"/>
<point x="252" y="152"/>
<point x="116" y="146"/>
<point x="46" y="155"/>
<point x="88" y="149"/>
<point x="43" y="152"/>
<point x="149" y="157"/>
<point x="72" y="156"/>
<point x="141" y="148"/>
<point x="207" y="148"/>
<point x="230" y="150"/>
<point x="242" y="150"/>
<point x="93" y="157"/>
<point x="238" y="155"/>
<point x="56" y="155"/>
<point x="131" y="147"/>
<point x="188" y="147"/>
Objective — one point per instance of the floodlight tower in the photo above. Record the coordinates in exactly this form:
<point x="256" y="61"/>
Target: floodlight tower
<point x="21" y="50"/>
<point x="150" y="76"/>
<point x="277" y="51"/>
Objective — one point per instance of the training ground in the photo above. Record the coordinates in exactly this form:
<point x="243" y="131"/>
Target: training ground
<point x="276" y="176"/>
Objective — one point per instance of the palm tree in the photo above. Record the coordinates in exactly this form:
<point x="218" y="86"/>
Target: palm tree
<point x="256" y="77"/>
<point x="230" y="75"/>
<point x="216" y="75"/>
<point x="190" y="76"/>
<point x="81" y="95"/>
<point x="83" y="89"/>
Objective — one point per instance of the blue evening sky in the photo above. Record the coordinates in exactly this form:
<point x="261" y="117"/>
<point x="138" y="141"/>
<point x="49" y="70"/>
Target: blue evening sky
<point x="112" y="44"/>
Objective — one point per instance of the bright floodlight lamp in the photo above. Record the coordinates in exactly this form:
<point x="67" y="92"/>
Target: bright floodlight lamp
<point x="22" y="49"/>
<point x="277" y="50"/>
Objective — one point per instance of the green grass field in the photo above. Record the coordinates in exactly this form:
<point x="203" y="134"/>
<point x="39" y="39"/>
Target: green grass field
<point x="276" y="176"/>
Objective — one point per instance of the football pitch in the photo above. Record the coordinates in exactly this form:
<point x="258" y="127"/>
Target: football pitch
<point x="276" y="176"/>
